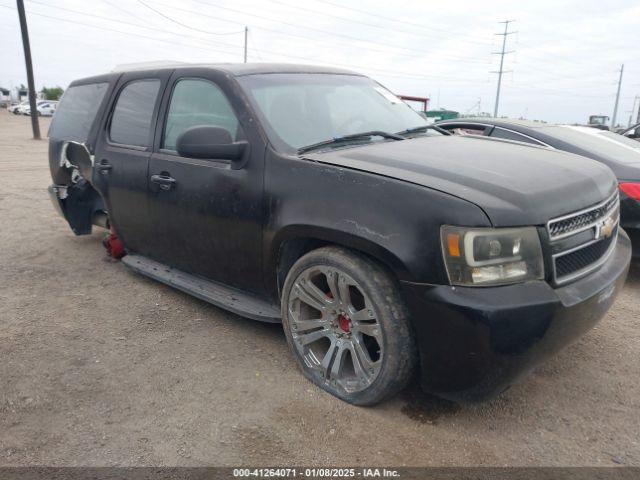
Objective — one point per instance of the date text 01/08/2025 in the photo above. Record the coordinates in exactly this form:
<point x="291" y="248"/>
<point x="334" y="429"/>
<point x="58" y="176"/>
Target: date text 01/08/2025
<point x="315" y="473"/>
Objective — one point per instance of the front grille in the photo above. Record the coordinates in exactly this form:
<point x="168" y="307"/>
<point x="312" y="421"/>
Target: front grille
<point x="573" y="262"/>
<point x="580" y="221"/>
<point x="576" y="255"/>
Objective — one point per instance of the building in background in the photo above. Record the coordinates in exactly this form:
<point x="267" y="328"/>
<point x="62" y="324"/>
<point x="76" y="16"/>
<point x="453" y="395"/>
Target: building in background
<point x="5" y="97"/>
<point x="442" y="114"/>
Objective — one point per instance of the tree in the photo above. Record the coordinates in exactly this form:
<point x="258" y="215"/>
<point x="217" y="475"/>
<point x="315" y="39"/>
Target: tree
<point x="53" y="93"/>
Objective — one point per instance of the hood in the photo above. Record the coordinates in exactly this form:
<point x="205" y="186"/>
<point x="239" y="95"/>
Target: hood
<point x="514" y="184"/>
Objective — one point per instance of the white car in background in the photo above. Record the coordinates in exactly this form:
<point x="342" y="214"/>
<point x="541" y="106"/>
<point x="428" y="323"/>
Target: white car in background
<point x="15" y="109"/>
<point x="46" y="108"/>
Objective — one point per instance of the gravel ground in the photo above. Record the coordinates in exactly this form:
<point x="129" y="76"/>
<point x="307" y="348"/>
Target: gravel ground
<point x="100" y="366"/>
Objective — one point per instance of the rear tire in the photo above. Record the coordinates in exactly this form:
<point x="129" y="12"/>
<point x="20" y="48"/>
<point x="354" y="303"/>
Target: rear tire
<point x="347" y="326"/>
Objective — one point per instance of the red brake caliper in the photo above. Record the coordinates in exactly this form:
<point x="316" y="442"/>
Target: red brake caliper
<point x="114" y="246"/>
<point x="343" y="321"/>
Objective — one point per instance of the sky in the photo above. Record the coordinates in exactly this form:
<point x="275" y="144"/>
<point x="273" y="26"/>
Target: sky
<point x="564" y="66"/>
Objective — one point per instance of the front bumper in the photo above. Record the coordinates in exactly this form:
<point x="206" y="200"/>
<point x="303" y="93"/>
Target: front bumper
<point x="475" y="342"/>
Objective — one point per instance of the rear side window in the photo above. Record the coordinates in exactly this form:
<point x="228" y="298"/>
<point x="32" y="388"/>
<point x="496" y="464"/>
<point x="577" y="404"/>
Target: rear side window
<point x="131" y="121"/>
<point x="77" y="111"/>
<point x="197" y="102"/>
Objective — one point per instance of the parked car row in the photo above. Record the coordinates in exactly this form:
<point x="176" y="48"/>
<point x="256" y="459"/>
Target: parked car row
<point x="46" y="108"/>
<point x="315" y="197"/>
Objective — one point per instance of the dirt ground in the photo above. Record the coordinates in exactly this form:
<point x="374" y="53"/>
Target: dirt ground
<point x="100" y="366"/>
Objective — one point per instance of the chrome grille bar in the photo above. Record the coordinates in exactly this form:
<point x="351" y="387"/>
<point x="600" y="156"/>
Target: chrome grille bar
<point x="572" y="263"/>
<point x="582" y="220"/>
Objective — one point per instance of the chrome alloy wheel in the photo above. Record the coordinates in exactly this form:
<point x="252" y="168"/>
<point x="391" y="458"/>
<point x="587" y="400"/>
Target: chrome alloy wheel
<point x="335" y="329"/>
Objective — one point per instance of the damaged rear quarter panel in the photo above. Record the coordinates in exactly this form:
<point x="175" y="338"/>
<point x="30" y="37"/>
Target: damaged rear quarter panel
<point x="394" y="221"/>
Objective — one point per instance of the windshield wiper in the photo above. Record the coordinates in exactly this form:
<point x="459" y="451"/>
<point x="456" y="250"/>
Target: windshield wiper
<point x="422" y="128"/>
<point x="354" y="136"/>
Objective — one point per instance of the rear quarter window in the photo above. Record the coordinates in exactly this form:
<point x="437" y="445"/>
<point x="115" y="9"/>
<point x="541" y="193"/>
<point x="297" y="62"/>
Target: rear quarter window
<point x="76" y="112"/>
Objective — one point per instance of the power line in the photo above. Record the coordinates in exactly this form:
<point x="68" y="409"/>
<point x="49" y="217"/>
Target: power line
<point x="502" y="54"/>
<point x="550" y="54"/>
<point x="388" y="73"/>
<point x="310" y="28"/>
<point x="401" y="22"/>
<point x="551" y="76"/>
<point x="201" y="14"/>
<point x="118" y="7"/>
<point x="549" y="91"/>
<point x="183" y="24"/>
<point x="123" y="22"/>
<point x="331" y="34"/>
<point x="107" y="29"/>
<point x="359" y="22"/>
<point x="217" y="42"/>
<point x="374" y="70"/>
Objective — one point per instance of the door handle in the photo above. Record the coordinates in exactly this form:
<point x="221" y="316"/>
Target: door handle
<point x="104" y="167"/>
<point x="165" y="182"/>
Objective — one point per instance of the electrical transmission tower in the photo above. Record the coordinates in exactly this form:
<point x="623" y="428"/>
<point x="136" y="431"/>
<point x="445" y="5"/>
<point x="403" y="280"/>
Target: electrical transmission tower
<point x="502" y="54"/>
<point x="615" y="106"/>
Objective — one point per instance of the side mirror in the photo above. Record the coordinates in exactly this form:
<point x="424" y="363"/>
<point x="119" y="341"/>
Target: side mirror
<point x="209" y="143"/>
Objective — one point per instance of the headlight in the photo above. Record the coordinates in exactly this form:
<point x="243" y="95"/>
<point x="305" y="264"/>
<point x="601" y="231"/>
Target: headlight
<point x="491" y="256"/>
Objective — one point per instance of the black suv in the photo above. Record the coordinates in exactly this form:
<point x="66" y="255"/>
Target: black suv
<point x="315" y="197"/>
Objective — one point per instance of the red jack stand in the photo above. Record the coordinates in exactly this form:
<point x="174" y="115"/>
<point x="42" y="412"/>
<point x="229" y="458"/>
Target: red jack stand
<point x="115" y="248"/>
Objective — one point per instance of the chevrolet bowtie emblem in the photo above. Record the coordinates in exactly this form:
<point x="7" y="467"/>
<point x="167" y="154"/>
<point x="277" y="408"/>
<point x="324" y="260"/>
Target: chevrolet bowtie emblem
<point x="605" y="229"/>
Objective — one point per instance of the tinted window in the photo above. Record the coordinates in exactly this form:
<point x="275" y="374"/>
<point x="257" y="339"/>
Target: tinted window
<point x="197" y="102"/>
<point x="76" y="112"/>
<point x="509" y="135"/>
<point x="131" y="121"/>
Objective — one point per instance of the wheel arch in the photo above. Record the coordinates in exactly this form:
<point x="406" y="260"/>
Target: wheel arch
<point x="293" y="242"/>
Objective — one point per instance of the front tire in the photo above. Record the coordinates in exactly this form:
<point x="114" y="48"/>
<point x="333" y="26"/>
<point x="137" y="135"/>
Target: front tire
<point x="347" y="326"/>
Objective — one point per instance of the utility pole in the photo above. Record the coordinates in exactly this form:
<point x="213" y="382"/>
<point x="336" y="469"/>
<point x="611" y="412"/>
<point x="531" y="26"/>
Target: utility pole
<point x="35" y="126"/>
<point x="633" y="110"/>
<point x="246" y="34"/>
<point x="502" y="54"/>
<point x="615" y="107"/>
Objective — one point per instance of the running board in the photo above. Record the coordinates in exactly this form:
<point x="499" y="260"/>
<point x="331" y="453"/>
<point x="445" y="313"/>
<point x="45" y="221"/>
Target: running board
<point x="238" y="302"/>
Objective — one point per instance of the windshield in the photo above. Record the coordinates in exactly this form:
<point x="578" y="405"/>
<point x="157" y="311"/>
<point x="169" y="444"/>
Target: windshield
<point x="607" y="144"/>
<point x="299" y="109"/>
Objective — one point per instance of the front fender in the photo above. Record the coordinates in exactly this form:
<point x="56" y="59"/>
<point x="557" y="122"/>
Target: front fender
<point x="394" y="221"/>
<point x="347" y="237"/>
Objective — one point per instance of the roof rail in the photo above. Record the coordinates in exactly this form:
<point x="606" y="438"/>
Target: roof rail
<point x="125" y="67"/>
